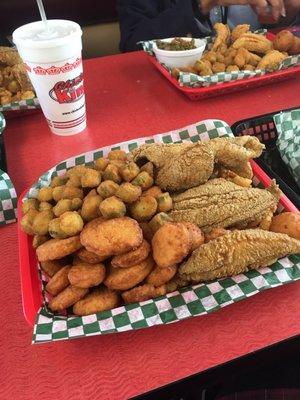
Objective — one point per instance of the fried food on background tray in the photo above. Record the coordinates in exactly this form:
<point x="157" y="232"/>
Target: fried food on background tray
<point x="288" y="223"/>
<point x="14" y="82"/>
<point x="238" y="31"/>
<point x="142" y="293"/>
<point x="283" y="41"/>
<point x="295" y="49"/>
<point x="220" y="204"/>
<point x="237" y="252"/>
<point x="241" y="50"/>
<point x="99" y="299"/>
<point x="182" y="166"/>
<point x="96" y="260"/>
<point x="222" y="35"/>
<point x="253" y="42"/>
<point x="111" y="237"/>
<point x="271" y="60"/>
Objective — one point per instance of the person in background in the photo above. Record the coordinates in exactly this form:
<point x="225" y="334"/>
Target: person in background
<point x="157" y="19"/>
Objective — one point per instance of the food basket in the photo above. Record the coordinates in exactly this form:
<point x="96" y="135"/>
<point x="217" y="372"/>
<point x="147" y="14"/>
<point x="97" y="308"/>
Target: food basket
<point x="188" y="302"/>
<point x="264" y="128"/>
<point x="223" y="83"/>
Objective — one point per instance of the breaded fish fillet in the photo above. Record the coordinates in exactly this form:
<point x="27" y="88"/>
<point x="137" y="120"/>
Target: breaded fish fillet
<point x="221" y="203"/>
<point x="186" y="165"/>
<point x="237" y="252"/>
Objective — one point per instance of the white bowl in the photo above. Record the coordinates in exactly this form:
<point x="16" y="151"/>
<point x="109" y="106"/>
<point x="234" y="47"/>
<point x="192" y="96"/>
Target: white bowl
<point x="181" y="58"/>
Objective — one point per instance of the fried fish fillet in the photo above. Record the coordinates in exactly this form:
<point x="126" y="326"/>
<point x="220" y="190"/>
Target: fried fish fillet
<point x="185" y="165"/>
<point x="253" y="42"/>
<point x="221" y="203"/>
<point x="235" y="253"/>
<point x="222" y="35"/>
<point x="271" y="61"/>
<point x="238" y="31"/>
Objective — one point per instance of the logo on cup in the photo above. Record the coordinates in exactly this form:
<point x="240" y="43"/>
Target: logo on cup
<point x="68" y="91"/>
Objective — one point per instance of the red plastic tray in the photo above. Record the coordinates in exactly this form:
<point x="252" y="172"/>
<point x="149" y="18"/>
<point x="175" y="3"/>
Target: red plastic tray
<point x="228" y="87"/>
<point x="30" y="282"/>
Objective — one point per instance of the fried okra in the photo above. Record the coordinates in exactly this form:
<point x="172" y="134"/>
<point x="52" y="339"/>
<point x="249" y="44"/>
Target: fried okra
<point x="91" y="178"/>
<point x="130" y="171"/>
<point x="164" y="202"/>
<point x="71" y="223"/>
<point x="65" y="192"/>
<point x="45" y="194"/>
<point x="144" y="180"/>
<point x="30" y="204"/>
<point x="111" y="173"/>
<point x="158" y="221"/>
<point x="117" y="155"/>
<point x="66" y="205"/>
<point x="90" y="207"/>
<point x="128" y="193"/>
<point x="41" y="222"/>
<point x="112" y="207"/>
<point x="101" y="163"/>
<point x="58" y="181"/>
<point x="27" y="221"/>
<point x="144" y="208"/>
<point x="107" y="188"/>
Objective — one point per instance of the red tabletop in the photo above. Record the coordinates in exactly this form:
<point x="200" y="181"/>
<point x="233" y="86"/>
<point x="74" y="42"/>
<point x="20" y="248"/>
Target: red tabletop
<point x="127" y="98"/>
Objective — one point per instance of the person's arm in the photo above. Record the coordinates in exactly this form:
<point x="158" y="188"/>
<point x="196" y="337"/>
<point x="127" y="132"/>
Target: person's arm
<point x="144" y="20"/>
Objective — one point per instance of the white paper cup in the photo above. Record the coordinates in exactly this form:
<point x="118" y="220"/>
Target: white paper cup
<point x="54" y="66"/>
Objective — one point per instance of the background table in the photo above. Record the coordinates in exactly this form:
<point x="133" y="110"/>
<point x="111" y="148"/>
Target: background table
<point x="127" y="98"/>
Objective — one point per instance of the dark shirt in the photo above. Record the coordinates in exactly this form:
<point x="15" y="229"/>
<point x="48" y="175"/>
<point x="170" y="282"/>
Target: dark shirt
<point x="149" y="19"/>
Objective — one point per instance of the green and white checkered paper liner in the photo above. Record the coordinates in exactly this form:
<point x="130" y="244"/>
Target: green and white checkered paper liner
<point x="21" y="105"/>
<point x="187" y="302"/>
<point x="8" y="195"/>
<point x="194" y="80"/>
<point x="288" y="142"/>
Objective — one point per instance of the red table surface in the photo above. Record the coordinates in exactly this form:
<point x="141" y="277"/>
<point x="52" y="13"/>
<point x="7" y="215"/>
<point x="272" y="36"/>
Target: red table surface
<point x="128" y="98"/>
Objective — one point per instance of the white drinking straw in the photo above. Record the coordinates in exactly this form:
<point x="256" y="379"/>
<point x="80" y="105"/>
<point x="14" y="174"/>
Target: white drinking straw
<point x="43" y="14"/>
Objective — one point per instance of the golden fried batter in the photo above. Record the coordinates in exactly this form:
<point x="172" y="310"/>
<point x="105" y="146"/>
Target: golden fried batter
<point x="196" y="235"/>
<point x="142" y="293"/>
<point x="271" y="61"/>
<point x="160" y="276"/>
<point x="54" y="249"/>
<point x="237" y="252"/>
<point x="127" y="278"/>
<point x="220" y="203"/>
<point x="253" y="42"/>
<point x="89" y="257"/>
<point x="98" y="300"/>
<point x="59" y="281"/>
<point x="67" y="298"/>
<point x="170" y="244"/>
<point x="133" y="257"/>
<point x="283" y="41"/>
<point x="222" y="35"/>
<point x="111" y="237"/>
<point x="9" y="56"/>
<point x="182" y="166"/>
<point x="238" y="31"/>
<point x="85" y="275"/>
